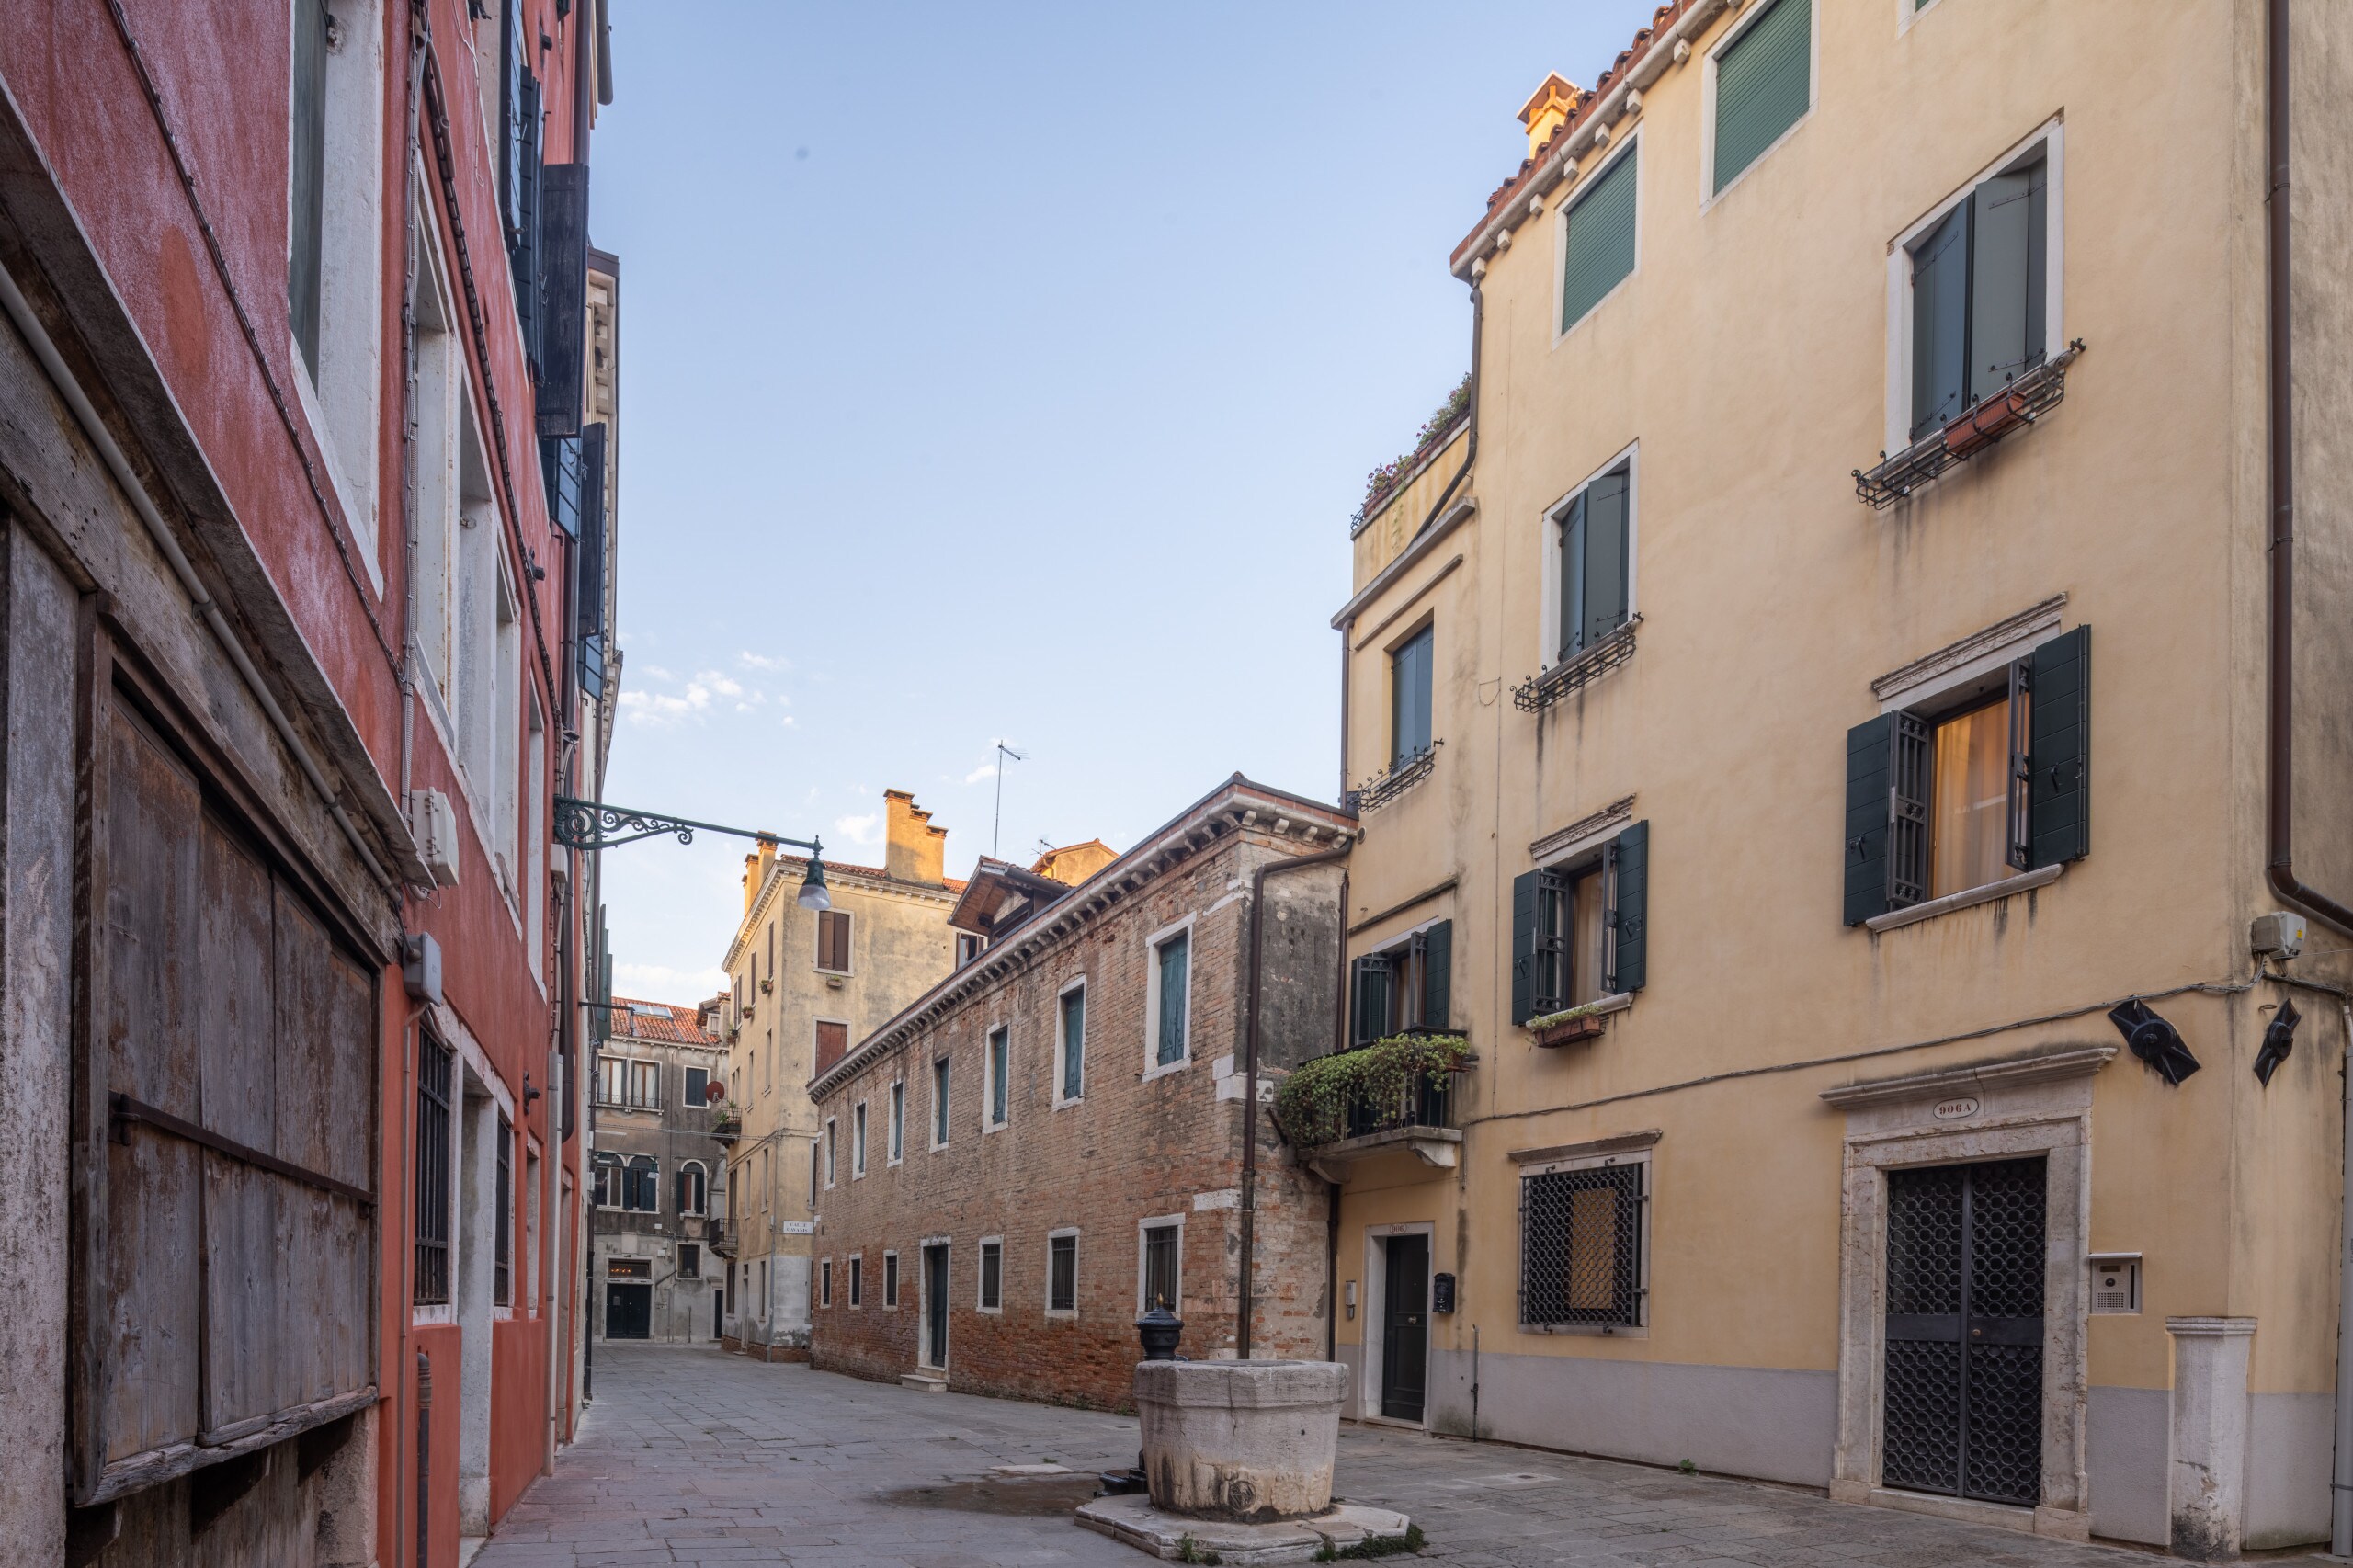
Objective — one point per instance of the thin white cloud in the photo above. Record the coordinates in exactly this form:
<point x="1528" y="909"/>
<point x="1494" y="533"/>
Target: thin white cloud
<point x="985" y="770"/>
<point x="863" y="831"/>
<point x="752" y="661"/>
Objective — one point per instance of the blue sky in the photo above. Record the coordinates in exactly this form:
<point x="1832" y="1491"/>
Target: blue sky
<point x="1012" y="370"/>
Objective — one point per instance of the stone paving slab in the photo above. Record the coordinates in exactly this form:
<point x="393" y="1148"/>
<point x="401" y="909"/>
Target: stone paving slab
<point x="692" y="1456"/>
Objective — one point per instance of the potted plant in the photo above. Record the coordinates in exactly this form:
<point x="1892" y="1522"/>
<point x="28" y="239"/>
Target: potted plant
<point x="1986" y="423"/>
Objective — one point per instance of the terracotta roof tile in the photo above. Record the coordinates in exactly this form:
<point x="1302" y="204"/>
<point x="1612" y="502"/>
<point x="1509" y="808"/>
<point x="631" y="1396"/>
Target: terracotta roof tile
<point x="672" y="1024"/>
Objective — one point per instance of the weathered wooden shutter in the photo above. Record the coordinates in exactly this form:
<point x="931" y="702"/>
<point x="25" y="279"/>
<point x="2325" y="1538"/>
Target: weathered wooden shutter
<point x="523" y="243"/>
<point x="511" y="72"/>
<point x="564" y="298"/>
<point x="1764" y="83"/>
<point x="1627" y="917"/>
<point x="1437" y="976"/>
<point x="1940" y="323"/>
<point x="1606" y="551"/>
<point x="1599" y="250"/>
<point x="2059" y="794"/>
<point x="2006" y="281"/>
<point x="588" y="563"/>
<point x="1525" y="890"/>
<point x="1869" y="762"/>
<point x="223" y="1198"/>
<point x="306" y="205"/>
<point x="1369" y="988"/>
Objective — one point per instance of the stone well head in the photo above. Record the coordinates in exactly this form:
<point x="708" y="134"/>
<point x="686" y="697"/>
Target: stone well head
<point x="1249" y="1441"/>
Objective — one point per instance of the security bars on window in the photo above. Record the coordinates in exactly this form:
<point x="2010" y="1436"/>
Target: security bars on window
<point x="1580" y="1248"/>
<point x="432" y="1283"/>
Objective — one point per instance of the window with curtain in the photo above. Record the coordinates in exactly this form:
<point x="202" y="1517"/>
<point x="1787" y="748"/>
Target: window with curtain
<point x="1764" y="84"/>
<point x="1174" y="959"/>
<point x="1073" y="1043"/>
<point x="1595" y="559"/>
<point x="1597" y="249"/>
<point x="1409" y="697"/>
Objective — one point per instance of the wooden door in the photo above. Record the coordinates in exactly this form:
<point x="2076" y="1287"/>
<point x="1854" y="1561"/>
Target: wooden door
<point x="1404" y="1343"/>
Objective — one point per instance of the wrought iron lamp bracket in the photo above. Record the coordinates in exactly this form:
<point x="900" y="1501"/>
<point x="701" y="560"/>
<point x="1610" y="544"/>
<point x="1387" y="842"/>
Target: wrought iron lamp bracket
<point x="592" y="824"/>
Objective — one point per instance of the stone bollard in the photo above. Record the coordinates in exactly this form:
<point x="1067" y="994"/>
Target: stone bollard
<point x="1247" y="1441"/>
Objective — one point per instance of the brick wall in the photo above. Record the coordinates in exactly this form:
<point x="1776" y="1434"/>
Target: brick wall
<point x="1133" y="1148"/>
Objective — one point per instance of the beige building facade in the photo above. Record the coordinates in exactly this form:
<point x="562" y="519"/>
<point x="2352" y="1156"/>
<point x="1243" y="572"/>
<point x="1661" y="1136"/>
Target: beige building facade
<point x="802" y="984"/>
<point x="1837" y="762"/>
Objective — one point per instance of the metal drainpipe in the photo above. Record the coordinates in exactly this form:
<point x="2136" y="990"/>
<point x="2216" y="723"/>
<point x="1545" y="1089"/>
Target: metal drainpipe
<point x="2340" y="1491"/>
<point x="1250" y="1071"/>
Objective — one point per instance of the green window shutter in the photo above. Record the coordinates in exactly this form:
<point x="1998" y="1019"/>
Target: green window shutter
<point x="1869" y="758"/>
<point x="2006" y="279"/>
<point x="306" y="207"/>
<point x="1409" y="707"/>
<point x="1371" y="992"/>
<point x="2059" y="793"/>
<point x="1437" y="976"/>
<point x="1630" y="908"/>
<point x="1175" y="969"/>
<point x="1605" y="555"/>
<point x="1523" y="889"/>
<point x="1572" y="549"/>
<point x="1940" y="323"/>
<point x="1600" y="245"/>
<point x="1764" y="83"/>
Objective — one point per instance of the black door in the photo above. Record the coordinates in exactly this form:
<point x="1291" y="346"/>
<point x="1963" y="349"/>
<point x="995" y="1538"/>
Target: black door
<point x="628" y="1312"/>
<point x="1404" y="1327"/>
<point x="935" y="1306"/>
<point x="1965" y="1331"/>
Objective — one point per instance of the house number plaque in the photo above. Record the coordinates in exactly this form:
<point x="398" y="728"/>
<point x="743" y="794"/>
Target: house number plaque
<point x="1955" y="1109"/>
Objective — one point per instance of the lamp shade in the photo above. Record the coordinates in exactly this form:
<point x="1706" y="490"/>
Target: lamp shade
<point x="812" y="887"/>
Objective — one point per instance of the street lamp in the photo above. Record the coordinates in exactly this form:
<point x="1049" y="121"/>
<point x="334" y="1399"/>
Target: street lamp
<point x="813" y="886"/>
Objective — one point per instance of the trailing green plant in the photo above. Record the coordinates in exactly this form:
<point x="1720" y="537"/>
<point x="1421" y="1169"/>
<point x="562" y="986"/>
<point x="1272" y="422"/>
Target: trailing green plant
<point x="1569" y="1015"/>
<point x="1191" y="1550"/>
<point x="1382" y="482"/>
<point x="1313" y="1104"/>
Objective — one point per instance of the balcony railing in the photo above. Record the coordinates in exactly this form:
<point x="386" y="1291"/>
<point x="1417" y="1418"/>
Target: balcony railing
<point x="1399" y="1086"/>
<point x="1422" y="1103"/>
<point x="727" y="1129"/>
<point x="1983" y="424"/>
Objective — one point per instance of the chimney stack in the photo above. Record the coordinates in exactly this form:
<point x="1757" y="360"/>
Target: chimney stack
<point x="756" y="872"/>
<point x="1547" y="109"/>
<point x="914" y="851"/>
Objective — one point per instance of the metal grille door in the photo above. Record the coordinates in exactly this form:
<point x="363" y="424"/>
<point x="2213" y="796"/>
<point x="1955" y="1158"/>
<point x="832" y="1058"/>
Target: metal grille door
<point x="1965" y="1331"/>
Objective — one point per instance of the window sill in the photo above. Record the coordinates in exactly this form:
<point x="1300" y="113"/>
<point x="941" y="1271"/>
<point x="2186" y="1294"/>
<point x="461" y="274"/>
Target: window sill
<point x="995" y="1127"/>
<point x="1588" y="1330"/>
<point x="1061" y="1314"/>
<point x="1164" y="1069"/>
<point x="1073" y="1100"/>
<point x="1585" y="1022"/>
<point x="1912" y="914"/>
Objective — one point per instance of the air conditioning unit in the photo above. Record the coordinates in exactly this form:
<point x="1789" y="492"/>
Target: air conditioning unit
<point x="434" y="825"/>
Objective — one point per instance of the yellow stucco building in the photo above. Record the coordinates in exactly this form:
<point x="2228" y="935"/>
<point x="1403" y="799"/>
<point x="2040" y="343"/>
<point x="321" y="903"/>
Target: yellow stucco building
<point x="804" y="985"/>
<point x="1831" y="776"/>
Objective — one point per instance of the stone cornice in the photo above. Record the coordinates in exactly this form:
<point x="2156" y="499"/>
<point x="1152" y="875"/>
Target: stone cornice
<point x="2068" y="1062"/>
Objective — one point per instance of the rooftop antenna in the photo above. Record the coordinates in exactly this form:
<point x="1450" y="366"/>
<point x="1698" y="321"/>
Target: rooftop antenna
<point x="997" y="823"/>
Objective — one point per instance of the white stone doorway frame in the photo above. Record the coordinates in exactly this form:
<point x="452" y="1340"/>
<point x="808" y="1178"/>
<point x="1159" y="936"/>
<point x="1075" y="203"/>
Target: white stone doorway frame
<point x="1376" y="1320"/>
<point x="2013" y="1107"/>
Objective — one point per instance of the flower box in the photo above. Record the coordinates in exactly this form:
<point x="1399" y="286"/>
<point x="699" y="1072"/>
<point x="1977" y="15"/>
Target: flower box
<point x="1569" y="1030"/>
<point x="1986" y="424"/>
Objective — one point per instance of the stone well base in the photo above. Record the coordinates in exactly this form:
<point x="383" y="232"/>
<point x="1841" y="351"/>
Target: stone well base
<point x="1135" y="1520"/>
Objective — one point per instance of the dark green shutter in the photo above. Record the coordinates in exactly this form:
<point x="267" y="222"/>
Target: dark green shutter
<point x="563" y="305"/>
<point x="1437" y="976"/>
<point x="1572" y="549"/>
<point x="1409" y="705"/>
<point x="306" y="207"/>
<point x="1940" y="323"/>
<point x="1630" y="908"/>
<point x="2006" y="282"/>
<point x="2059" y="793"/>
<point x="1605" y="556"/>
<point x="512" y="67"/>
<point x="1870" y="755"/>
<point x="1523" y="889"/>
<point x="1764" y="83"/>
<point x="1600" y="245"/>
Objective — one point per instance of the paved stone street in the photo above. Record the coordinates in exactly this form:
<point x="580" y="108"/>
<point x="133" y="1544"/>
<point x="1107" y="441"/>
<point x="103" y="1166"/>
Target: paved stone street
<point x="696" y="1457"/>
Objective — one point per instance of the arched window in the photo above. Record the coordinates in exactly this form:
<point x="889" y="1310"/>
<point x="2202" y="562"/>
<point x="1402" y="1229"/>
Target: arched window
<point x="608" y="1168"/>
<point x="691" y="1188"/>
<point x="641" y="1185"/>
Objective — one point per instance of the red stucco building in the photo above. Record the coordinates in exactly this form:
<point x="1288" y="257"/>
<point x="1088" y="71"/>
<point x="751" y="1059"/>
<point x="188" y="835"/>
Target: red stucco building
<point x="304" y="594"/>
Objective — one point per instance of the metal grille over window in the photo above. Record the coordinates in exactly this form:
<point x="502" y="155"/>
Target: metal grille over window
<point x="1965" y="1263"/>
<point x="1159" y="1267"/>
<point x="1062" y="1274"/>
<point x="502" y="1265"/>
<point x="434" y="1066"/>
<point x="1581" y="1234"/>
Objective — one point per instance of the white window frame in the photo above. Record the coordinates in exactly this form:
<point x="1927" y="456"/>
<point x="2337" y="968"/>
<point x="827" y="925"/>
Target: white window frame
<point x="980" y="1276"/>
<point x="1144" y="1229"/>
<point x="891" y="1279"/>
<point x="1152" y="1066"/>
<point x="989" y="1075"/>
<point x="1561" y="204"/>
<point x="825" y="1283"/>
<point x="833" y="1152"/>
<point x="1071" y="1312"/>
<point x="703" y="1172"/>
<point x="857" y="1278"/>
<point x="613" y="1197"/>
<point x="819" y="917"/>
<point x="1907" y="12"/>
<point x="896" y="1144"/>
<point x="1709" y="194"/>
<point x="923" y="1305"/>
<point x="2051" y="136"/>
<point x="857" y="1141"/>
<point x="1061" y="1045"/>
<point x="1641" y="1156"/>
<point x="1556" y="518"/>
<point x="943" y="1074"/>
